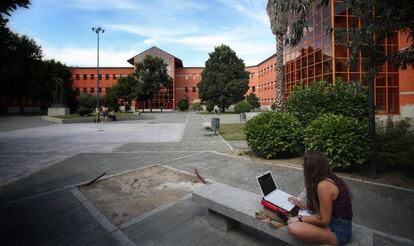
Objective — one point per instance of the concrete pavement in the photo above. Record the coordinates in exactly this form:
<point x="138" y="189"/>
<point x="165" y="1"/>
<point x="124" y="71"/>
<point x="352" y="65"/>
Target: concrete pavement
<point x="38" y="209"/>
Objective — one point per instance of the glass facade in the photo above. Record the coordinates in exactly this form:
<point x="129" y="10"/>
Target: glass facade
<point x="317" y="57"/>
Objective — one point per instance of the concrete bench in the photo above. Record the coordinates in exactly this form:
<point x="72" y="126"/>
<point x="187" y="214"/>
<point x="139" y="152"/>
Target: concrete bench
<point x="228" y="206"/>
<point x="207" y="125"/>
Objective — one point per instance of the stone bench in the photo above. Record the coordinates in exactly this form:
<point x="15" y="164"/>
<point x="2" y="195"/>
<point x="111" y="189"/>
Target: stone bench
<point x="228" y="206"/>
<point x="207" y="125"/>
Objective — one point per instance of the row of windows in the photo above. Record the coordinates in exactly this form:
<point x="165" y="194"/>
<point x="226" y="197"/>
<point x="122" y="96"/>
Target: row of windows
<point x="264" y="71"/>
<point x="91" y="90"/>
<point x="194" y="89"/>
<point x="92" y="76"/>
<point x="190" y="76"/>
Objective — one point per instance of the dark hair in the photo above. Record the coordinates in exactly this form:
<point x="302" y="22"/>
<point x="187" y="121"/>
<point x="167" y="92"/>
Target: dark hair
<point x="315" y="168"/>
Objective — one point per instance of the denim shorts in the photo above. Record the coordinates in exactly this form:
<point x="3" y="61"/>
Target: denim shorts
<point x="342" y="228"/>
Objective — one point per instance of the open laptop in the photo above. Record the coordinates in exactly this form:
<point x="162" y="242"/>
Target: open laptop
<point x="271" y="193"/>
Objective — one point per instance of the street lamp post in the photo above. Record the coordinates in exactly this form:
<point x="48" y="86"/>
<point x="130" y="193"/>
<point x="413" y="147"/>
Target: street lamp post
<point x="97" y="30"/>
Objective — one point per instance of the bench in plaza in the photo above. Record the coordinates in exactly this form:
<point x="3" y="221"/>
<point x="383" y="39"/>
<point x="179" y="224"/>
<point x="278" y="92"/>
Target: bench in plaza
<point x="228" y="206"/>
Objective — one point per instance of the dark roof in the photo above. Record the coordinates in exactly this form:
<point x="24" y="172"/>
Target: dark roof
<point x="178" y="61"/>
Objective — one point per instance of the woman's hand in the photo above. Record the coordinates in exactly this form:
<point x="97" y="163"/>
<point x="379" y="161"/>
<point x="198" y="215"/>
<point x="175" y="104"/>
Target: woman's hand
<point x="296" y="202"/>
<point x="292" y="219"/>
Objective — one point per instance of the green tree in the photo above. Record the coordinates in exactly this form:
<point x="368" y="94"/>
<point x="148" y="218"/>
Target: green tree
<point x="224" y="80"/>
<point x="17" y="73"/>
<point x="150" y="76"/>
<point x="253" y="100"/>
<point x="43" y="84"/>
<point x="8" y="6"/>
<point x="278" y="12"/>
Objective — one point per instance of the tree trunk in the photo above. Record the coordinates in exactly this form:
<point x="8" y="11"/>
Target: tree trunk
<point x="150" y="105"/>
<point x="279" y="73"/>
<point x="20" y="104"/>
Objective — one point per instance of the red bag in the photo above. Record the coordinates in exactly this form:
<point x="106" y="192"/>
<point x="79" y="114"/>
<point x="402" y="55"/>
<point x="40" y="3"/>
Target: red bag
<point x="273" y="207"/>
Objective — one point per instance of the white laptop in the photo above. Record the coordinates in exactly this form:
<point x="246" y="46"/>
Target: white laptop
<point x="271" y="193"/>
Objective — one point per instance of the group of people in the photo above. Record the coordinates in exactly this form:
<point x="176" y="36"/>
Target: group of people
<point x="103" y="113"/>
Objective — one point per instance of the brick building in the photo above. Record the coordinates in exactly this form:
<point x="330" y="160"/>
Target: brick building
<point x="315" y="58"/>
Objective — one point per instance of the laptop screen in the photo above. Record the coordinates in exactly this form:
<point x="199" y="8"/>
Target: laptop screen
<point x="267" y="184"/>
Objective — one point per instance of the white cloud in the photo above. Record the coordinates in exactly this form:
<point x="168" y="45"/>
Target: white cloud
<point x="253" y="9"/>
<point x="76" y="56"/>
<point x="151" y="32"/>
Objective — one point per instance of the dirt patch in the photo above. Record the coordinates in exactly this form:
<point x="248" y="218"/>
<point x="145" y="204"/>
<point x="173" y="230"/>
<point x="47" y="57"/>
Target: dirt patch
<point x="121" y="198"/>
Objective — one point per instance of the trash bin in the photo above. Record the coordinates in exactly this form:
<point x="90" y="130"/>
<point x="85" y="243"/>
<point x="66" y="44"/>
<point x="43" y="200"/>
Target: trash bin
<point x="215" y="124"/>
<point x="242" y="117"/>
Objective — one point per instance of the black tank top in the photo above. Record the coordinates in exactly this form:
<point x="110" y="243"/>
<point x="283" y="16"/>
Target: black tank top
<point x="342" y="205"/>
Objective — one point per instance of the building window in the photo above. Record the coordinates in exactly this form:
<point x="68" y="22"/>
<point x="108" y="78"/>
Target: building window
<point x="186" y="89"/>
<point x="100" y="76"/>
<point x="85" y="90"/>
<point x="92" y="76"/>
<point x="253" y="88"/>
<point x="194" y="89"/>
<point x="85" y="77"/>
<point x="106" y="76"/>
<point x="77" y="77"/>
<point x="92" y="90"/>
<point x="100" y="89"/>
<point x="113" y="76"/>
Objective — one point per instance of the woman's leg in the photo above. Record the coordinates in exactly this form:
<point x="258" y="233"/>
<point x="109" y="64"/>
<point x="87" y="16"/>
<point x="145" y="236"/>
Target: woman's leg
<point x="312" y="233"/>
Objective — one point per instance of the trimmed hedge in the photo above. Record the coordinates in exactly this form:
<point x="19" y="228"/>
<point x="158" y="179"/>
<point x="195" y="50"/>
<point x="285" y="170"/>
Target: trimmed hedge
<point x="308" y="103"/>
<point x="84" y="111"/>
<point x="274" y="134"/>
<point x="242" y="107"/>
<point x="343" y="140"/>
<point x="395" y="145"/>
<point x="183" y="104"/>
<point x="196" y="106"/>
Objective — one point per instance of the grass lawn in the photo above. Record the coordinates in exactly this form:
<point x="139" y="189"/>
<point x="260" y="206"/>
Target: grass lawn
<point x="232" y="132"/>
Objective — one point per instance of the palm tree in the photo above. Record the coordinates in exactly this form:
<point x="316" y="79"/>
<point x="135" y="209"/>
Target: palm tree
<point x="278" y="15"/>
<point x="278" y="11"/>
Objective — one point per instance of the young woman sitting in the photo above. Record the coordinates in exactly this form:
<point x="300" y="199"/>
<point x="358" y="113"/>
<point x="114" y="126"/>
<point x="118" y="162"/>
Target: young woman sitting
<point x="329" y="198"/>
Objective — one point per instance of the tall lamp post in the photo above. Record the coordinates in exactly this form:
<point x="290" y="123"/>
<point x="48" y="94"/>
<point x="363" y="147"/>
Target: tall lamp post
<point x="97" y="30"/>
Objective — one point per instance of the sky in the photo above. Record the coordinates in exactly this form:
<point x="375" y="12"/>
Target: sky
<point x="187" y="29"/>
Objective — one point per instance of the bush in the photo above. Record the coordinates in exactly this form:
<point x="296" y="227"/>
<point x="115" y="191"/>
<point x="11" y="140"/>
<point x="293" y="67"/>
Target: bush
<point x="395" y="145"/>
<point x="183" y="104"/>
<point x="342" y="98"/>
<point x="84" y="111"/>
<point x="274" y="134"/>
<point x="87" y="101"/>
<point x="210" y="107"/>
<point x="242" y="107"/>
<point x="196" y="106"/>
<point x="253" y="100"/>
<point x="343" y="140"/>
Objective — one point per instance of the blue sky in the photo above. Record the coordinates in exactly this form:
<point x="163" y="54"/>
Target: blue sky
<point x="188" y="29"/>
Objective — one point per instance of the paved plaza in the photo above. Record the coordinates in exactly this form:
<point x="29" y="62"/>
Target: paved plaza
<point x="41" y="165"/>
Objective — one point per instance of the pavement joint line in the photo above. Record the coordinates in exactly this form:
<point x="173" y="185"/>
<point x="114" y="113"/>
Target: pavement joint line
<point x="122" y="238"/>
<point x="221" y="137"/>
<point x="185" y="127"/>
<point x="102" y="219"/>
<point x="152" y="212"/>
<point x="341" y="176"/>
<point x="105" y="222"/>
